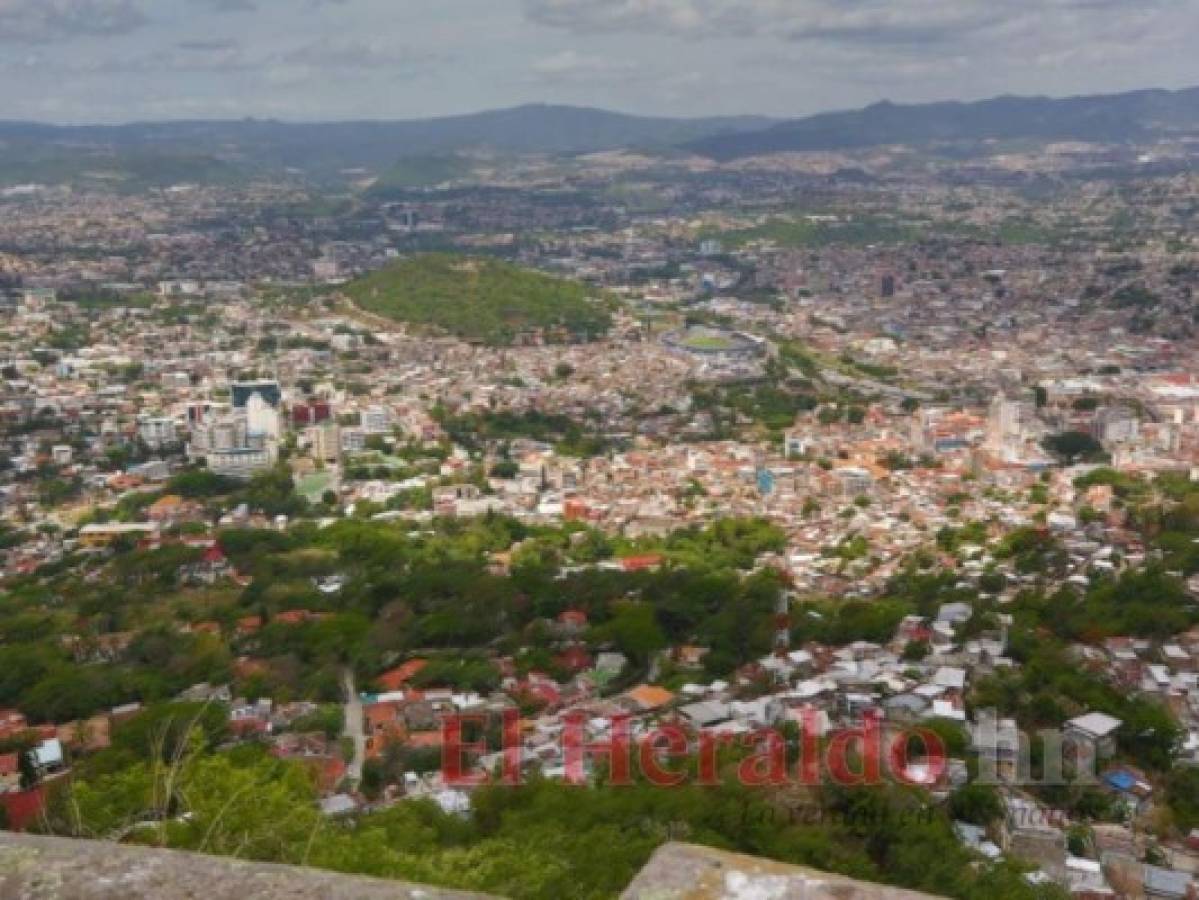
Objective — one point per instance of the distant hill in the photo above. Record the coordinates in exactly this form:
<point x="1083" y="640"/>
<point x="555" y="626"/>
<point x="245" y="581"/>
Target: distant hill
<point x="328" y="148"/>
<point x="421" y="171"/>
<point x="129" y="169"/>
<point x="1139" y="115"/>
<point x="480" y="299"/>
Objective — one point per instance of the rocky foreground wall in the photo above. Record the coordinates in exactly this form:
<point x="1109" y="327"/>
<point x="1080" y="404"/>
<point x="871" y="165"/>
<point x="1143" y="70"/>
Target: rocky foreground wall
<point x="41" y="868"/>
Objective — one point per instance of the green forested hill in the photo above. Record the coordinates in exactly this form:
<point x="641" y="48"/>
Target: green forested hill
<point x="420" y="171"/>
<point x="480" y="299"/>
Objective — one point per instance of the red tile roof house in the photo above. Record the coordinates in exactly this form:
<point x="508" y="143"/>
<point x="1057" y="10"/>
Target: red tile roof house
<point x="574" y="658"/>
<point x="245" y="729"/>
<point x="572" y="621"/>
<point x="11" y="723"/>
<point x="10" y="773"/>
<point x="642" y="563"/>
<point x="248" y="625"/>
<point x="331" y="774"/>
<point x="23" y="807"/>
<point x="294" y="617"/>
<point x="384" y="723"/>
<point x="539" y="690"/>
<point x="213" y="565"/>
<point x="327" y="771"/>
<point x="396" y="679"/>
<point x="425" y="740"/>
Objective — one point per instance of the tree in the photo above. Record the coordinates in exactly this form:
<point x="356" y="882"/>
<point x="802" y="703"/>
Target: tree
<point x="200" y="484"/>
<point x="273" y="492"/>
<point x="978" y="804"/>
<point x="952" y="735"/>
<point x="635" y="630"/>
<point x="328" y="719"/>
<point x="1074" y="446"/>
<point x="263" y="810"/>
<point x="505" y="469"/>
<point x="1182" y="794"/>
<point x="992" y="582"/>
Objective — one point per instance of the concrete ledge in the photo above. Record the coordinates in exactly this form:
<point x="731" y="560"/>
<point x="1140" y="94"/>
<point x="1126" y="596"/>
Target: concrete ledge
<point x="45" y="868"/>
<point x="687" y="872"/>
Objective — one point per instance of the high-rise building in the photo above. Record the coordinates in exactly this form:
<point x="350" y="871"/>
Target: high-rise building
<point x="261" y="417"/>
<point x="325" y="441"/>
<point x="242" y="391"/>
<point x="237" y="443"/>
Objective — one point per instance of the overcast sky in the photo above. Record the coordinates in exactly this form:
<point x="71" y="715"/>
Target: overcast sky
<point x="121" y="60"/>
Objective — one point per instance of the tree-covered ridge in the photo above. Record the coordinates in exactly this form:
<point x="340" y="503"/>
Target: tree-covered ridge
<point x="74" y="643"/>
<point x="480" y="299"/>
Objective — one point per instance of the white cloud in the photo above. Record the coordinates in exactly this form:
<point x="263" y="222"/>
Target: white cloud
<point x="216" y="56"/>
<point x="364" y="58"/>
<point x="228" y="5"/>
<point x="343" y="53"/>
<point x="43" y="21"/>
<point x="915" y="23"/>
<point x="617" y="15"/>
<point x="569" y="64"/>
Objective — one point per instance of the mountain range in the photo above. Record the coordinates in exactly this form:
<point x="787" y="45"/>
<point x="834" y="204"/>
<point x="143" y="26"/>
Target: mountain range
<point x="1109" y="118"/>
<point x="166" y="152"/>
<point x="321" y="148"/>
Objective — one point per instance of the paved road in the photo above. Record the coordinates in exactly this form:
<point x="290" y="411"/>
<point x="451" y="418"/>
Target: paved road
<point x="354" y="727"/>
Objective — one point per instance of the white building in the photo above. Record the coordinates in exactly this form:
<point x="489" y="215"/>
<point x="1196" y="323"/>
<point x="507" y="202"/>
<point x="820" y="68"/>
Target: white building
<point x="237" y="443"/>
<point x="796" y="443"/>
<point x="262" y="418"/>
<point x="855" y="482"/>
<point x="243" y="462"/>
<point x="156" y="431"/>
<point x="353" y="440"/>
<point x="376" y="420"/>
<point x="184" y="288"/>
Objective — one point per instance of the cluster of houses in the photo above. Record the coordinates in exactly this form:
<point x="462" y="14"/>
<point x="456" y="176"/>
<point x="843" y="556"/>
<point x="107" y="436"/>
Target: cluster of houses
<point x="832" y="690"/>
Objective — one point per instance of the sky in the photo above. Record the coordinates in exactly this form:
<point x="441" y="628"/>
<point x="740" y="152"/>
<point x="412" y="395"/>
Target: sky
<point x="102" y="61"/>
